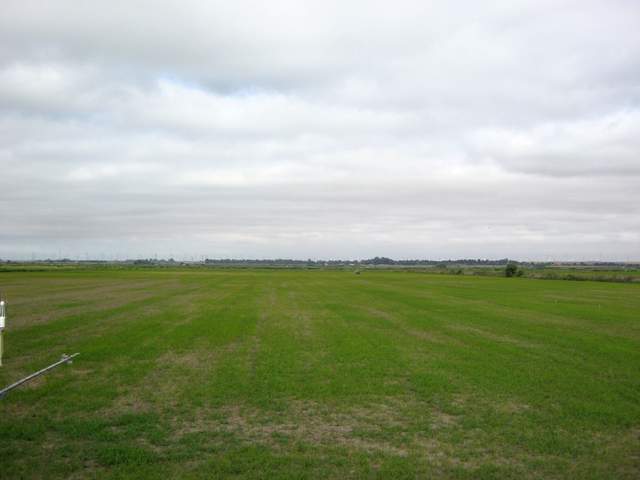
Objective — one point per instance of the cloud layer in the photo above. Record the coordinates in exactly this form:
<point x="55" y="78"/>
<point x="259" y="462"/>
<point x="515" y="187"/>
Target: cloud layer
<point x="319" y="129"/>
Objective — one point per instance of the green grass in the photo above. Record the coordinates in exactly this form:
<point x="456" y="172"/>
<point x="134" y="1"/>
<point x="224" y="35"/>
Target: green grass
<point x="319" y="374"/>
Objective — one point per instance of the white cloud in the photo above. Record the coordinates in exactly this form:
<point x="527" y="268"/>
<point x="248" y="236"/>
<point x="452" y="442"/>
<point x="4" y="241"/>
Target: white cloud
<point x="320" y="128"/>
<point x="603" y="145"/>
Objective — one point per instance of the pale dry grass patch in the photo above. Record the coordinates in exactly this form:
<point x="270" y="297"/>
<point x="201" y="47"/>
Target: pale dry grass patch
<point x="162" y="388"/>
<point x="383" y="426"/>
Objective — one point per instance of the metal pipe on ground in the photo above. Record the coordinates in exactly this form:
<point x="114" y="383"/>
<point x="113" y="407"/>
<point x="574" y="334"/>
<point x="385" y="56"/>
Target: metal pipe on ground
<point x="65" y="359"/>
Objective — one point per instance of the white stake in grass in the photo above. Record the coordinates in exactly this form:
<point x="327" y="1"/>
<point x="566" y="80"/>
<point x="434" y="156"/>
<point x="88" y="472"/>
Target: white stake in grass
<point x="3" y="317"/>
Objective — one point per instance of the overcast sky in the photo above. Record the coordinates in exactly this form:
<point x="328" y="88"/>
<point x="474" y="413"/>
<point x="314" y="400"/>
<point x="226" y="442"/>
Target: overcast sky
<point x="329" y="129"/>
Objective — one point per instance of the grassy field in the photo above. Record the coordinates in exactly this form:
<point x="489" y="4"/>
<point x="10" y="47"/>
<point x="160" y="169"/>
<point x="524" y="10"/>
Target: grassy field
<point x="319" y="374"/>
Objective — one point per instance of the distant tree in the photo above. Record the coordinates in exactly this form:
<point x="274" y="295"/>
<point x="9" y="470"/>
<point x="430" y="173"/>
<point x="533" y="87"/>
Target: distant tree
<point x="379" y="261"/>
<point x="510" y="270"/>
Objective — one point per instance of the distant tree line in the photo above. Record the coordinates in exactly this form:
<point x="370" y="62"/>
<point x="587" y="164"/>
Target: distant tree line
<point x="368" y="261"/>
<point x="375" y="261"/>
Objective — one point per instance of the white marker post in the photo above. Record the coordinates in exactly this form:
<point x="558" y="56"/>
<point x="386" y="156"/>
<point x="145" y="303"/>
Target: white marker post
<point x="3" y="317"/>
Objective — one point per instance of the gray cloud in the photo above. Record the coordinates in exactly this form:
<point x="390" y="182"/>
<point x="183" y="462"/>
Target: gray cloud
<point x="306" y="129"/>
